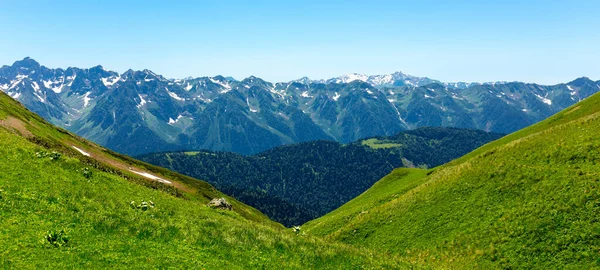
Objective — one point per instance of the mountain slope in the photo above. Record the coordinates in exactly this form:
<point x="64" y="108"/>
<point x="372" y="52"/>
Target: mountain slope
<point x="253" y="115"/>
<point x="85" y="208"/>
<point x="295" y="183"/>
<point x="528" y="200"/>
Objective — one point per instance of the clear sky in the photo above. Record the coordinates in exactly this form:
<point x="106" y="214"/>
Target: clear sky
<point x="534" y="41"/>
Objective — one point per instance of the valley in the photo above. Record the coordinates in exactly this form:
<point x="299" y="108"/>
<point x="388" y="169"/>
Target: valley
<point x="364" y="163"/>
<point x="299" y="134"/>
<point x="296" y="183"/>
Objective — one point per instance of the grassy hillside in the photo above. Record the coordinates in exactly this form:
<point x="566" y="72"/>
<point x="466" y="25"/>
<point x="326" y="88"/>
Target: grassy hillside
<point x="528" y="200"/>
<point x="62" y="209"/>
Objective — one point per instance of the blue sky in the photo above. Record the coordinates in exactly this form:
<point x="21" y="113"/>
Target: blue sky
<point x="534" y="41"/>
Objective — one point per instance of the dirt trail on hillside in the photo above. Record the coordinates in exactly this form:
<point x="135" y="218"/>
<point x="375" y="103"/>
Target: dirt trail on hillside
<point x="107" y="159"/>
<point x="16" y="124"/>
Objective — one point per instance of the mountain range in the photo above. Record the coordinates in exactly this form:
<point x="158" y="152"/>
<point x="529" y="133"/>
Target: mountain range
<point x="139" y="112"/>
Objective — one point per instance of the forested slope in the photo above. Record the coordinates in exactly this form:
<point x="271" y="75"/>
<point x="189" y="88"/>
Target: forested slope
<point x="296" y="183"/>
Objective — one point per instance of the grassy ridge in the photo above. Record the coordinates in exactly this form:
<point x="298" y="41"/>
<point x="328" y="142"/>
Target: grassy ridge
<point x="528" y="200"/>
<point x="98" y="209"/>
<point x="385" y="190"/>
<point x="38" y="131"/>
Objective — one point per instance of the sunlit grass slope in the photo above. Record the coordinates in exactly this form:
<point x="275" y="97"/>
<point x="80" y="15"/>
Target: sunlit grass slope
<point x="56" y="214"/>
<point x="528" y="200"/>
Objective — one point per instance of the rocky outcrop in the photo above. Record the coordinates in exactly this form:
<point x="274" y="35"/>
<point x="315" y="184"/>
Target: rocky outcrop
<point x="220" y="203"/>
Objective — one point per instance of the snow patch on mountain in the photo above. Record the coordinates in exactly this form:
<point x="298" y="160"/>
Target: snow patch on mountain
<point x="14" y="83"/>
<point x="543" y="99"/>
<point x="108" y="82"/>
<point x="14" y="95"/>
<point x="142" y="101"/>
<point x="306" y="95"/>
<point x="35" y="86"/>
<point x="171" y="121"/>
<point x="249" y="107"/>
<point x="336" y="97"/>
<point x="49" y="84"/>
<point x="150" y="176"/>
<point x="225" y="85"/>
<point x="280" y="93"/>
<point x="39" y="97"/>
<point x="174" y="96"/>
<point x="71" y="79"/>
<point x="81" y="151"/>
<point x="86" y="99"/>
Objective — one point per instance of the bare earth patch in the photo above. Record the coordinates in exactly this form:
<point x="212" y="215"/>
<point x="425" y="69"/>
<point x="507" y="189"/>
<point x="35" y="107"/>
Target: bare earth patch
<point x="12" y="123"/>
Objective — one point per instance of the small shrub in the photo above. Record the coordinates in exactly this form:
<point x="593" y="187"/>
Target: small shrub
<point x="57" y="239"/>
<point x="55" y="155"/>
<point x="144" y="205"/>
<point x="296" y="229"/>
<point x="87" y="173"/>
<point x="1" y="193"/>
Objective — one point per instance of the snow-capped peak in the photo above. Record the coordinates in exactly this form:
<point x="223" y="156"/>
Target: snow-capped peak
<point x="350" y="78"/>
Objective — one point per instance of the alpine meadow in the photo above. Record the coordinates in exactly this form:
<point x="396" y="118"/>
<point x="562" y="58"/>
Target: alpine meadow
<point x="300" y="134"/>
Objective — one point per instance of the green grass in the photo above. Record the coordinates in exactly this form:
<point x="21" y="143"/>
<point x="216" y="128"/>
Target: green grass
<point x="57" y="139"/>
<point x="387" y="189"/>
<point x="528" y="200"/>
<point x="379" y="144"/>
<point x="40" y="196"/>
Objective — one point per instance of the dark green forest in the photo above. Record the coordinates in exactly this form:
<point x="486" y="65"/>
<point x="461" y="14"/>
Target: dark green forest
<point x="296" y="183"/>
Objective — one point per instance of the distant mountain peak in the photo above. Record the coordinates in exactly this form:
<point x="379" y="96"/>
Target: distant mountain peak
<point x="27" y="63"/>
<point x="98" y="67"/>
<point x="254" y="80"/>
<point x="580" y="81"/>
<point x="149" y="72"/>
